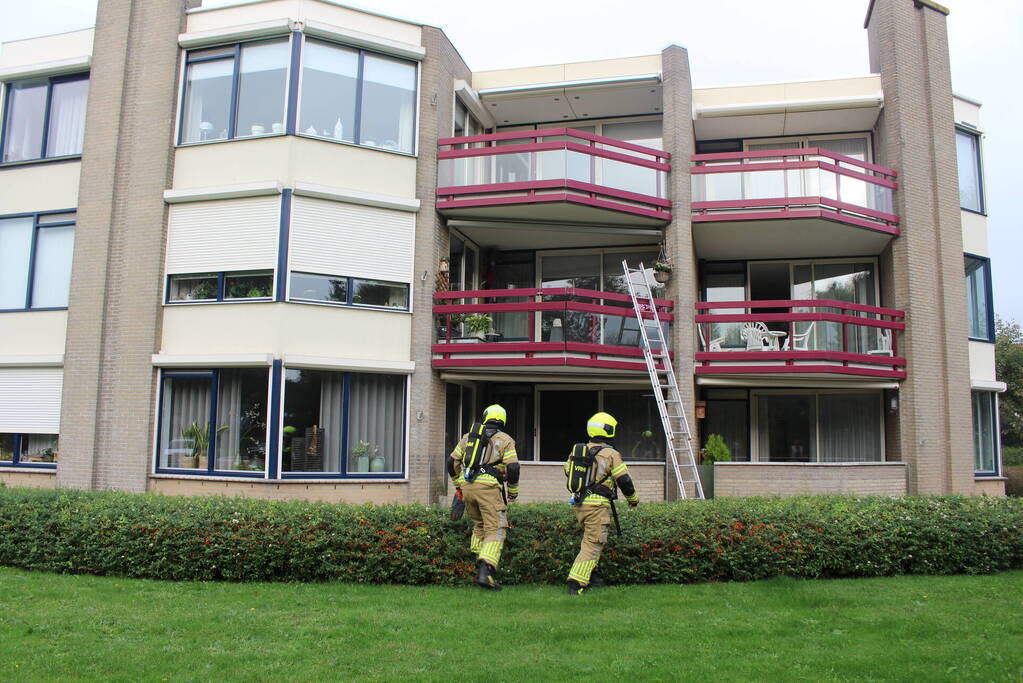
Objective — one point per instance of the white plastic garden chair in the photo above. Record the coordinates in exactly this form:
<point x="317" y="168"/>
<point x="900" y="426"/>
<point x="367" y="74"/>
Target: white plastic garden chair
<point x="714" y="345"/>
<point x="884" y="340"/>
<point x="757" y="337"/>
<point x="800" y="340"/>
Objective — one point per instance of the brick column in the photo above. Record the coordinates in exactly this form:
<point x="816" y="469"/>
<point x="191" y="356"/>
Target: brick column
<point x="114" y="311"/>
<point x="439" y="70"/>
<point x="915" y="136"/>
<point x="679" y="141"/>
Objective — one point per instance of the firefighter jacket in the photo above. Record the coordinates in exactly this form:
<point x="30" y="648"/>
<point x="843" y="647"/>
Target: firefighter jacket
<point x="500" y="453"/>
<point x="608" y="470"/>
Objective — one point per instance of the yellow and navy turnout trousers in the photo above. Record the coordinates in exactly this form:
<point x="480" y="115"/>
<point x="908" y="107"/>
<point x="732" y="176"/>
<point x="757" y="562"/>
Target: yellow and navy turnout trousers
<point x="482" y="495"/>
<point x="594" y="515"/>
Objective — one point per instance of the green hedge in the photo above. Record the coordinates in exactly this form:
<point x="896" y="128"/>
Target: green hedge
<point x="1012" y="456"/>
<point x="229" y="539"/>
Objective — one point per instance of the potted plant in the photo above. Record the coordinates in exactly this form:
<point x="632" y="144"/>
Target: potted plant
<point x="199" y="435"/>
<point x="662" y="270"/>
<point x="479" y="324"/>
<point x="377" y="462"/>
<point x="716" y="450"/>
<point x="361" y="454"/>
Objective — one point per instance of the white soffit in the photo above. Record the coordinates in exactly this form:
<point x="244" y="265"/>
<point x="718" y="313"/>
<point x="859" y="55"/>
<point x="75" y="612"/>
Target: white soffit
<point x="317" y="29"/>
<point x="470" y="98"/>
<point x="356" y="364"/>
<point x="803" y="380"/>
<point x="553" y="102"/>
<point x="231" y="34"/>
<point x="55" y="68"/>
<point x="742" y="122"/>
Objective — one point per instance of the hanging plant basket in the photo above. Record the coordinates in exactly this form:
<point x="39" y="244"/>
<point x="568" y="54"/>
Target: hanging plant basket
<point x="662" y="276"/>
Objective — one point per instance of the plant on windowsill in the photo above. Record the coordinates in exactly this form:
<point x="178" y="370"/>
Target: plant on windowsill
<point x="479" y="324"/>
<point x="199" y="435"/>
<point x="202" y="291"/>
<point x="361" y="453"/>
<point x="716" y="450"/>
<point x="663" y="269"/>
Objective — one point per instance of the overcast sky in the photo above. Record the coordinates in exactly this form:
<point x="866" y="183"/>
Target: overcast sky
<point x="730" y="42"/>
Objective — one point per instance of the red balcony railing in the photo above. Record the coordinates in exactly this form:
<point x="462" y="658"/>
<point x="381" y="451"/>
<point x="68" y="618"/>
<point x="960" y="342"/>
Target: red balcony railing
<point x="552" y="165"/>
<point x="799" y="336"/>
<point x="793" y="183"/>
<point x="557" y="326"/>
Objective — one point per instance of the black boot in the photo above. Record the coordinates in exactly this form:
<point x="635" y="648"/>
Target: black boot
<point x="595" y="581"/>
<point x="485" y="578"/>
<point x="576" y="588"/>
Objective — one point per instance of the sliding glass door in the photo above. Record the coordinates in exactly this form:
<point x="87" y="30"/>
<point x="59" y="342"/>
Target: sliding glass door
<point x="818" y="426"/>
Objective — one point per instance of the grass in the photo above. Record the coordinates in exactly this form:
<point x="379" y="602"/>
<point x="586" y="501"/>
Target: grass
<point x="901" y="628"/>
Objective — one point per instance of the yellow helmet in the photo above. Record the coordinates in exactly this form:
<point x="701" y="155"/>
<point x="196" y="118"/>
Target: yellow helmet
<point x="602" y="424"/>
<point x="495" y="413"/>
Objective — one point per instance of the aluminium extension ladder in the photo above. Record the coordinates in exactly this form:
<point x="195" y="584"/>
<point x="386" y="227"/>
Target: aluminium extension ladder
<point x="669" y="400"/>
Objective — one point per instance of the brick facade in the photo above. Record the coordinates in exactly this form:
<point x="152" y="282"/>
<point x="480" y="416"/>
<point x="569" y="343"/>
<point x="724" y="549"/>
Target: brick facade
<point x="803" y="479"/>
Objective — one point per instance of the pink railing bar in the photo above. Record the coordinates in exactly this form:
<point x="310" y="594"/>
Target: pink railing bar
<point x="794" y="152"/>
<point x="548" y="146"/>
<point x="552" y="132"/>
<point x="534" y="306"/>
<point x="789" y="166"/>
<point x="794" y="201"/>
<point x="547" y="291"/>
<point x="533" y="198"/>
<point x="803" y="303"/>
<point x="526" y="185"/>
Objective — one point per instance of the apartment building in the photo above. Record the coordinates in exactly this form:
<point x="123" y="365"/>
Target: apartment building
<point x="290" y="249"/>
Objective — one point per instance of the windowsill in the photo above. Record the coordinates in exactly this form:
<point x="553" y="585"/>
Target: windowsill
<point x="32" y="310"/>
<point x="973" y="211"/>
<point x="33" y="468"/>
<point x="988" y="477"/>
<point x="983" y="341"/>
<point x="34" y="162"/>
<point x="262" y="480"/>
<point x="208" y="302"/>
<point x="814" y="464"/>
<point x="561" y="463"/>
<point x="184" y="145"/>
<point x="361" y="307"/>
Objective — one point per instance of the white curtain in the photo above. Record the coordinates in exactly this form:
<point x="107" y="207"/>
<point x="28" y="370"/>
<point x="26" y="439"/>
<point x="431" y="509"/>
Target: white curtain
<point x="15" y="246"/>
<point x="331" y="406"/>
<point x="850" y="427"/>
<point x="186" y="400"/>
<point x="229" y="415"/>
<point x="376" y="415"/>
<point x="51" y="280"/>
<point x="26" y="117"/>
<point x="67" y="118"/>
<point x="388" y="84"/>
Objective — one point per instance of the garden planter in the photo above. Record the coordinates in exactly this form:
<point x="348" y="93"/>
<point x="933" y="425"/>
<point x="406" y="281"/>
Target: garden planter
<point x="707" y="479"/>
<point x="661" y="276"/>
<point x="189" y="461"/>
<point x="377" y="464"/>
<point x="362" y="463"/>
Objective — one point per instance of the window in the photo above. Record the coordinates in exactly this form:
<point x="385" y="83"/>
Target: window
<point x="349" y="291"/>
<point x="235" y="92"/>
<point x="220" y="286"/>
<point x="222" y="412"/>
<point x="35" y="261"/>
<point x="985" y="433"/>
<point x="45" y="118"/>
<point x="343" y="423"/>
<point x="356" y="96"/>
<point x="971" y="190"/>
<point x="979" y="312"/>
<point x="819" y="427"/>
<point x="38" y="450"/>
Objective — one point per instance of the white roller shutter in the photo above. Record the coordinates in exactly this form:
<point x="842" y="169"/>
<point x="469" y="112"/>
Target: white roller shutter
<point x="334" y="238"/>
<point x="231" y="234"/>
<point x="30" y="400"/>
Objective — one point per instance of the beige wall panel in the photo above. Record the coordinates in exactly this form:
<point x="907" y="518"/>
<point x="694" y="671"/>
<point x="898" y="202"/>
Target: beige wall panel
<point x="578" y="71"/>
<point x="989" y="487"/>
<point x="33" y="333"/>
<point x="40" y="187"/>
<point x="966" y="112"/>
<point x="780" y="92"/>
<point x="774" y="479"/>
<point x="326" y="11"/>
<point x="276" y="328"/>
<point x="982" y="361"/>
<point x="46" y="49"/>
<point x="287" y="159"/>
<point x="356" y="493"/>
<point x="33" y="480"/>
<point x="975" y="234"/>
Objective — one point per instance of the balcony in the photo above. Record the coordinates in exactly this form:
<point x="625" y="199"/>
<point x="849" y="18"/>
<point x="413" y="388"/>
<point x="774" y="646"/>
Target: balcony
<point x="791" y="203"/>
<point x="556" y="175"/>
<point x="812" y="339"/>
<point x="560" y="329"/>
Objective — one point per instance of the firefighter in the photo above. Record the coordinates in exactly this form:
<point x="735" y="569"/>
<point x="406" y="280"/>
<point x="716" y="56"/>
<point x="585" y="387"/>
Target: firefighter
<point x="593" y="503"/>
<point x="480" y="482"/>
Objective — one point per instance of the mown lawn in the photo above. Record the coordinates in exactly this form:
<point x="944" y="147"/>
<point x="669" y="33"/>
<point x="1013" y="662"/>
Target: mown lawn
<point x="902" y="628"/>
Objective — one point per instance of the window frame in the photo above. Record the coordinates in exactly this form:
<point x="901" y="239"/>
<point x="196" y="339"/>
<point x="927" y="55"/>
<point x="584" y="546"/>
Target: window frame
<point x="995" y="434"/>
<point x="350" y="293"/>
<point x="988" y="293"/>
<point x="18" y="451"/>
<point x="38" y="225"/>
<point x="221" y="297"/>
<point x="6" y="110"/>
<point x="979" y="161"/>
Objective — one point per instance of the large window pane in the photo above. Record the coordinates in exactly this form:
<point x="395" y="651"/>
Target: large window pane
<point x="640" y="435"/>
<point x="787" y="426"/>
<point x="984" y="437"/>
<point x="376" y="423"/>
<point x="38" y="448"/>
<point x="262" y="76"/>
<point x="329" y="83"/>
<point x="241" y="419"/>
<point x="208" y="100"/>
<point x="978" y="308"/>
<point x="252" y="285"/>
<point x="968" y="160"/>
<point x="15" y="248"/>
<point x="729" y="418"/>
<point x="312" y="421"/>
<point x="563" y="416"/>
<point x="26" y="119"/>
<point x="388" y="103"/>
<point x="67" y="118"/>
<point x="197" y="287"/>
<point x="624" y="176"/>
<point x="51" y="280"/>
<point x="378" y="293"/>
<point x="6" y="447"/>
<point x="575" y="270"/>
<point x="185" y="422"/>
<point x="319" y="287"/>
<point x="850" y="427"/>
